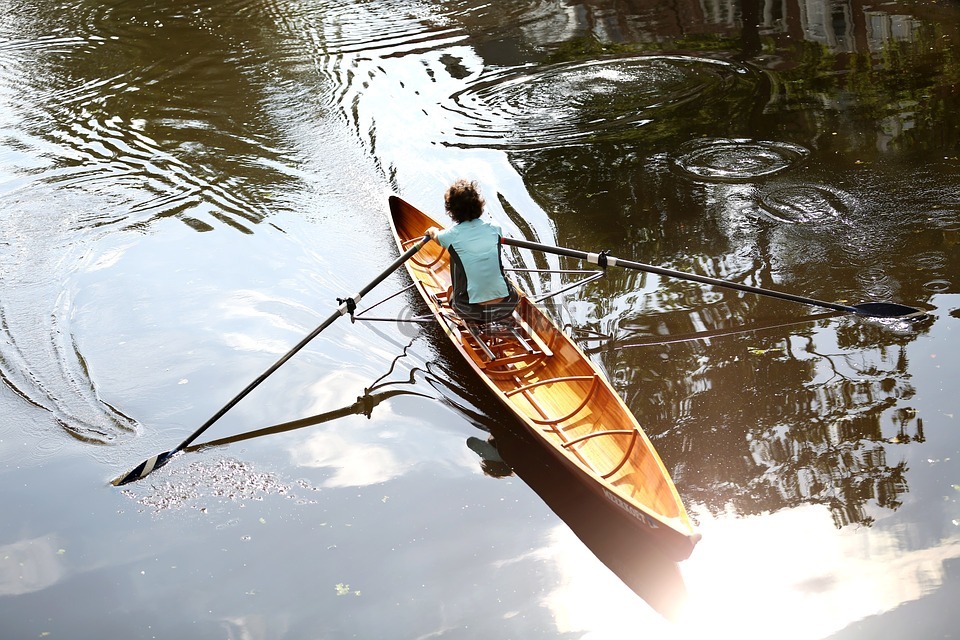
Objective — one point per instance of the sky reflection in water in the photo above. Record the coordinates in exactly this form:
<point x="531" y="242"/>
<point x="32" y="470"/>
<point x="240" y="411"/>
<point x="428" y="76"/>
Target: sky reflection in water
<point x="185" y="193"/>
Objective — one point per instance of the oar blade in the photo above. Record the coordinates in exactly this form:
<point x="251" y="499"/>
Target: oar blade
<point x="888" y="310"/>
<point x="144" y="468"/>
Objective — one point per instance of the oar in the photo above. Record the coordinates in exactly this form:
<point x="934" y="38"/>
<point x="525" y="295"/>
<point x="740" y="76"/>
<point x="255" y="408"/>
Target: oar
<point x="868" y="309"/>
<point x="347" y="305"/>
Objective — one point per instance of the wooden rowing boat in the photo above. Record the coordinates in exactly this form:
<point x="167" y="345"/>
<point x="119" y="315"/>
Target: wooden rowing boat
<point x="561" y="397"/>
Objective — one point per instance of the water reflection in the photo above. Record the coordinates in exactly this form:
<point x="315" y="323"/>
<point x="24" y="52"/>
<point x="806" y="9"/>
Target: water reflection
<point x="138" y="128"/>
<point x="358" y="459"/>
<point x="574" y="103"/>
<point x="724" y="160"/>
<point x="259" y="119"/>
<point x="837" y="577"/>
<point x="640" y="565"/>
<point x="31" y="565"/>
<point x="806" y="204"/>
<point x="112" y="130"/>
<point x="608" y="535"/>
<point x="819" y="440"/>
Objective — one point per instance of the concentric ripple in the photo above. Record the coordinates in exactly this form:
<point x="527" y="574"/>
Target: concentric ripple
<point x="573" y="103"/>
<point x="938" y="286"/>
<point x="877" y="283"/>
<point x="933" y="261"/>
<point x="802" y="204"/>
<point x="736" y="159"/>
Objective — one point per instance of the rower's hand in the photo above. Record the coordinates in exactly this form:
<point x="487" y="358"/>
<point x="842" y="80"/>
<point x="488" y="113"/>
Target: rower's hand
<point x="432" y="232"/>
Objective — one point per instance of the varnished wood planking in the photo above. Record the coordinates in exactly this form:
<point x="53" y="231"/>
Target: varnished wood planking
<point x="561" y="397"/>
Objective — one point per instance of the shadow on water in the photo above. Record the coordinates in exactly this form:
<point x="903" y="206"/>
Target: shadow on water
<point x="609" y="534"/>
<point x="605" y="530"/>
<point x="807" y="145"/>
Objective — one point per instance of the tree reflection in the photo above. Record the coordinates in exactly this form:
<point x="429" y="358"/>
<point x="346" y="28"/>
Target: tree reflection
<point x="763" y="420"/>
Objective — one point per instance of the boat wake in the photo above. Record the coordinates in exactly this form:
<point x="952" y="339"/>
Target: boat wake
<point x="41" y="360"/>
<point x="43" y="364"/>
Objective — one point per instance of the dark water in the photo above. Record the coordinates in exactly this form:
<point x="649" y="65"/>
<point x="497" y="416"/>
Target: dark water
<point x="185" y="188"/>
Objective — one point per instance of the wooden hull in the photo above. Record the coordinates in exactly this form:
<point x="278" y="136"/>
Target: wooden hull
<point x="561" y="397"/>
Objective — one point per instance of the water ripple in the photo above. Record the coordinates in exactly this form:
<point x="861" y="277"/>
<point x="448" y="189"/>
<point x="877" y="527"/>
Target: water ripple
<point x="802" y="204"/>
<point x="938" y="286"/>
<point x="945" y="218"/>
<point x="876" y="283"/>
<point x="201" y="483"/>
<point x="736" y="159"/>
<point x="373" y="29"/>
<point x="43" y="365"/>
<point x="136" y="161"/>
<point x="64" y="44"/>
<point x="573" y="103"/>
<point x="933" y="261"/>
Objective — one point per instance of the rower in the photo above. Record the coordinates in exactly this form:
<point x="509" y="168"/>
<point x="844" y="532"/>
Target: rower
<point x="481" y="292"/>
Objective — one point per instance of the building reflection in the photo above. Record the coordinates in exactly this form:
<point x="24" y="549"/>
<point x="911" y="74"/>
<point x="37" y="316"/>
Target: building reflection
<point x="852" y="26"/>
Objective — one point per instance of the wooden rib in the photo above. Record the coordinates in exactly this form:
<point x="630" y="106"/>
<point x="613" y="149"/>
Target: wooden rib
<point x="626" y="456"/>
<point x="555" y="421"/>
<point x="429" y="265"/>
<point x="540" y="383"/>
<point x="607" y="432"/>
<point x="602" y="432"/>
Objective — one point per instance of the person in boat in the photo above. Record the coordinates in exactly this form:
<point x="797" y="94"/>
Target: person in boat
<point x="481" y="291"/>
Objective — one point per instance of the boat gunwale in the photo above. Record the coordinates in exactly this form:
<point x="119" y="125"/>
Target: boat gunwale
<point x="680" y="523"/>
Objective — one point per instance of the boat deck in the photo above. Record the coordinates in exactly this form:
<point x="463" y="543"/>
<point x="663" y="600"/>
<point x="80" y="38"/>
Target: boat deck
<point x="549" y="383"/>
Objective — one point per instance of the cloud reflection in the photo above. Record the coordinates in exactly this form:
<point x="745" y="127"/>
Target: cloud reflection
<point x="752" y="573"/>
<point x="590" y="599"/>
<point x="355" y="466"/>
<point x="748" y="576"/>
<point x="365" y="451"/>
<point x="30" y="565"/>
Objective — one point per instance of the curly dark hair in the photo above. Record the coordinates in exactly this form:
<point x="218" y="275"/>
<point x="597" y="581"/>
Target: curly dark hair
<point x="463" y="201"/>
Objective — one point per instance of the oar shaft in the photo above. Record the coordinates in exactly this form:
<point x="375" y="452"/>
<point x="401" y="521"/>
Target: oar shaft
<point x="595" y="258"/>
<point x="342" y="310"/>
<point x="346" y="306"/>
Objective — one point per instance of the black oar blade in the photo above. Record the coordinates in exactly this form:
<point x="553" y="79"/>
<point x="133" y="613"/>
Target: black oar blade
<point x="888" y="310"/>
<point x="144" y="468"/>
